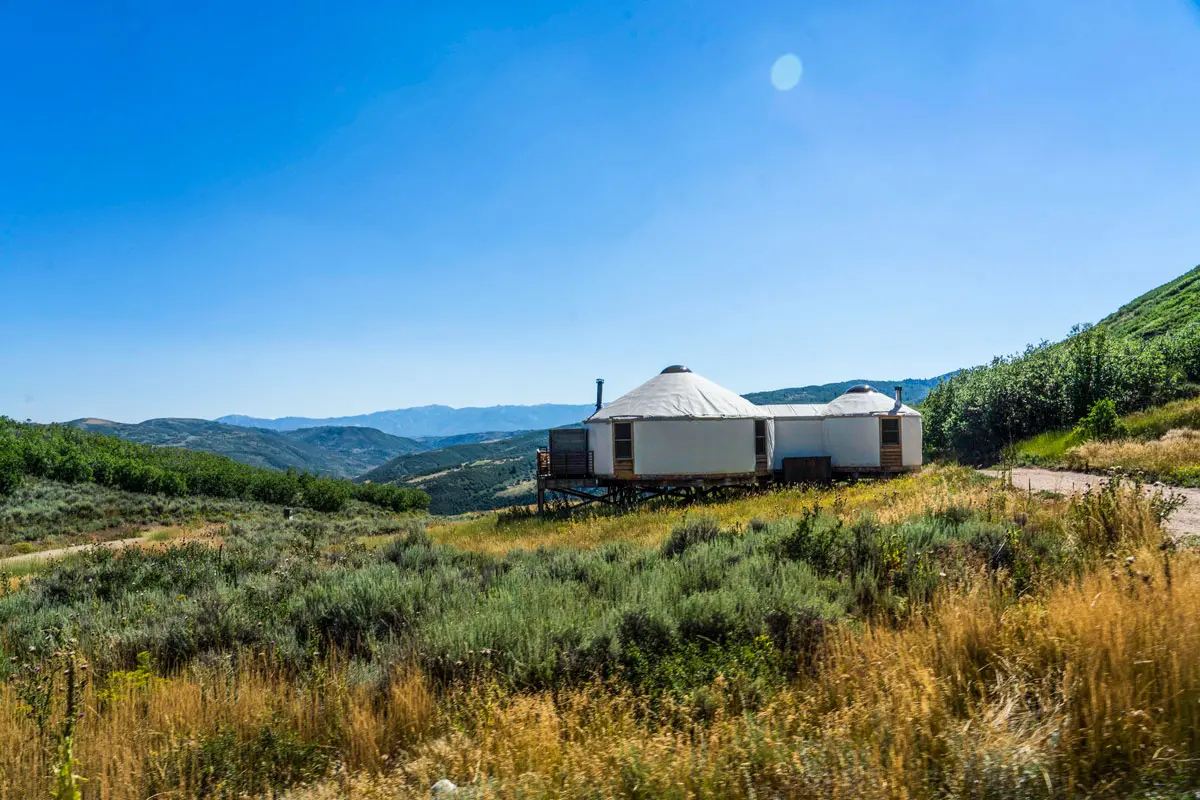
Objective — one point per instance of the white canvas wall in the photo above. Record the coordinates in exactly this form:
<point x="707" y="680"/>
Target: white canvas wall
<point x="910" y="441"/>
<point x="600" y="443"/>
<point x="693" y="447"/>
<point x="798" y="437"/>
<point x="853" y="441"/>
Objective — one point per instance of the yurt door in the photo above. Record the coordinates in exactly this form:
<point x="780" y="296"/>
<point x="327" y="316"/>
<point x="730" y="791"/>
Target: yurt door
<point x="622" y="449"/>
<point x="891" y="455"/>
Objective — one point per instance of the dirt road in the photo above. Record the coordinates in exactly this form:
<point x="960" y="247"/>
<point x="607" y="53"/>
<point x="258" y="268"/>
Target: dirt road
<point x="58" y="552"/>
<point x="1184" y="522"/>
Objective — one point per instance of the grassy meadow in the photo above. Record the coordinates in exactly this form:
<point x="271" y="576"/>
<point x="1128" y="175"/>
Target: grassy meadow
<point x="937" y="635"/>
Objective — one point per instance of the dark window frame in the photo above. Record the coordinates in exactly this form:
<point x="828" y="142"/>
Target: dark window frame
<point x="884" y="424"/>
<point x="622" y="445"/>
<point x="760" y="437"/>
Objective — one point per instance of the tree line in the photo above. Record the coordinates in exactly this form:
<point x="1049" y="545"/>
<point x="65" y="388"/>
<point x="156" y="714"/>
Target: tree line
<point x="978" y="412"/>
<point x="67" y="454"/>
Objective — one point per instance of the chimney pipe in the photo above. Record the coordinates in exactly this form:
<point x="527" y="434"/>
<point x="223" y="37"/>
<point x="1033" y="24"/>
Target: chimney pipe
<point x="599" y="392"/>
<point x="899" y="395"/>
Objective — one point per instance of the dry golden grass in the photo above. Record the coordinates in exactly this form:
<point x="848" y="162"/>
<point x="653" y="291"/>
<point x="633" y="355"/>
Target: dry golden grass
<point x="127" y="729"/>
<point x="890" y="500"/>
<point x="1177" y="450"/>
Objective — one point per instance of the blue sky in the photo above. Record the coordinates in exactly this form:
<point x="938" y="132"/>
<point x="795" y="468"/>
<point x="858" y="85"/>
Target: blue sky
<point x="331" y="208"/>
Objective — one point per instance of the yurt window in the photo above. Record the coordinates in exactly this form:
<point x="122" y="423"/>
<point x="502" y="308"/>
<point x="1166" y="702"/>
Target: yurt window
<point x="890" y="430"/>
<point x="760" y="437"/>
<point x="623" y="440"/>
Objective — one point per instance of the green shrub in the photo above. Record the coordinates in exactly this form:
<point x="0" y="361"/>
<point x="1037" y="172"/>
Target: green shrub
<point x="647" y="632"/>
<point x="280" y="488"/>
<point x="1187" y="476"/>
<point x="691" y="531"/>
<point x="1102" y="422"/>
<point x="326" y="494"/>
<point x="11" y="470"/>
<point x="69" y="466"/>
<point x="395" y="498"/>
<point x="222" y="764"/>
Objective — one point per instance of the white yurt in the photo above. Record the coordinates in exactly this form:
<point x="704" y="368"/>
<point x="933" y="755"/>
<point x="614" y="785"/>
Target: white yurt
<point x="680" y="425"/>
<point x="862" y="429"/>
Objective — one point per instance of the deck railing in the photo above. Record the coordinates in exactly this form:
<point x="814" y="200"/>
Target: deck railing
<point x="565" y="465"/>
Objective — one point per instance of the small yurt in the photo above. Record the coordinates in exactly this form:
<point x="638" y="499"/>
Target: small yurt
<point x="680" y="425"/>
<point x="863" y="429"/>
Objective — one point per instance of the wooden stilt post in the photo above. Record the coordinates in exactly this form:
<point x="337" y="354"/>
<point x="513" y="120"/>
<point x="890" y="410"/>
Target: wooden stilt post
<point x="541" y="494"/>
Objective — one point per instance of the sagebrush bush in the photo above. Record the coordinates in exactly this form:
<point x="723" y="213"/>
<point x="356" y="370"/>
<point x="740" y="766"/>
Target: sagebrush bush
<point x="545" y="617"/>
<point x="691" y="532"/>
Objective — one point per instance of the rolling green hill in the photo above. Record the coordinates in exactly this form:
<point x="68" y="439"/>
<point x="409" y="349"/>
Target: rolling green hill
<point x="415" y="464"/>
<point x="469" y="477"/>
<point x="1170" y="307"/>
<point x="438" y="442"/>
<point x="915" y="390"/>
<point x="340" y="452"/>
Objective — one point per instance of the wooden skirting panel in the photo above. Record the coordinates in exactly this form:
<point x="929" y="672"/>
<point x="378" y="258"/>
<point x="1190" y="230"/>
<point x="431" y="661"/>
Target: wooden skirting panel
<point x="890" y="456"/>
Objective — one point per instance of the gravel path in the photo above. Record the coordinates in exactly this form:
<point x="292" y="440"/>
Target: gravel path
<point x="1184" y="522"/>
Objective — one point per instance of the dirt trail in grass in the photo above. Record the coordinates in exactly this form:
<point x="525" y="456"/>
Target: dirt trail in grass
<point x="175" y="536"/>
<point x="1184" y="522"/>
<point x="59" y="552"/>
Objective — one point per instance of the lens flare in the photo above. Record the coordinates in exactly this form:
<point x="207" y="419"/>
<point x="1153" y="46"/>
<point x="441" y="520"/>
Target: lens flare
<point x="786" y="72"/>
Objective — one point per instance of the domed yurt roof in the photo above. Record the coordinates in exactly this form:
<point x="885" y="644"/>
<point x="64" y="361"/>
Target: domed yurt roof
<point x="865" y="401"/>
<point x="679" y="393"/>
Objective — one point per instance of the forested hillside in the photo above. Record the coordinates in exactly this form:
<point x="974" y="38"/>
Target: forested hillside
<point x="1146" y="354"/>
<point x="69" y="455"/>
<point x="915" y="390"/>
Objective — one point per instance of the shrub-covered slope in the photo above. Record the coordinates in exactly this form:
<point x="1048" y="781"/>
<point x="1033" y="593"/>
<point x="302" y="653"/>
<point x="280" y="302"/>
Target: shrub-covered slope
<point x="1170" y="307"/>
<point x="1143" y="356"/>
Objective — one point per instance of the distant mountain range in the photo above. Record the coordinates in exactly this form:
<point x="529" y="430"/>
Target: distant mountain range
<point x="434" y="420"/>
